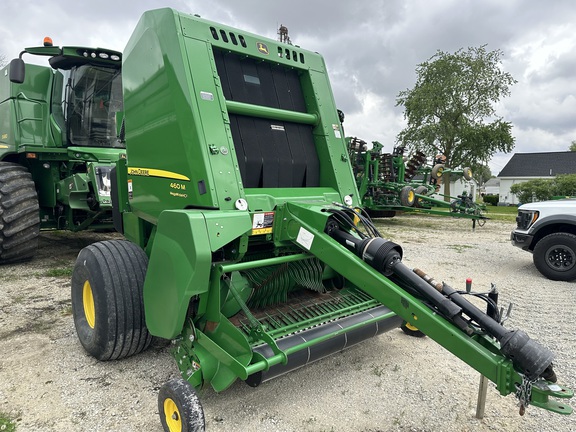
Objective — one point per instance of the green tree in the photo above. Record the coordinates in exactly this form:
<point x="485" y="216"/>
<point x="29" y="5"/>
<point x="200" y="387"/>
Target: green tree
<point x="481" y="173"/>
<point x="544" y="189"/>
<point x="533" y="190"/>
<point x="565" y="185"/>
<point x="451" y="110"/>
<point x="573" y="145"/>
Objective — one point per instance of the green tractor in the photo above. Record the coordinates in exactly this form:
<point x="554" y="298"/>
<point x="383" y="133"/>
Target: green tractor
<point x="59" y="128"/>
<point x="244" y="245"/>
<point x="389" y="182"/>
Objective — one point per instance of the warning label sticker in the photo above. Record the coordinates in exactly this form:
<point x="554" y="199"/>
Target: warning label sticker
<point x="262" y="223"/>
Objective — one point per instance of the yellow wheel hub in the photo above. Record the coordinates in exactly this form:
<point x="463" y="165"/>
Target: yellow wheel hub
<point x="411" y="196"/>
<point x="88" y="301"/>
<point x="172" y="415"/>
<point x="410" y="327"/>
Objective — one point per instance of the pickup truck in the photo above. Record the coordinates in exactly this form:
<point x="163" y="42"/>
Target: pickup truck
<point x="547" y="229"/>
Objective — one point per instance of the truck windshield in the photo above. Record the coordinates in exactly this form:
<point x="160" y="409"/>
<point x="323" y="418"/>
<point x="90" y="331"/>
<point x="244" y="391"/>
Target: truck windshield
<point x="94" y="106"/>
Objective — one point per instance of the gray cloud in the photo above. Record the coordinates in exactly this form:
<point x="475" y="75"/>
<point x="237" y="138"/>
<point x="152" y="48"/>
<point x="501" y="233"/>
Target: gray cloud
<point x="371" y="48"/>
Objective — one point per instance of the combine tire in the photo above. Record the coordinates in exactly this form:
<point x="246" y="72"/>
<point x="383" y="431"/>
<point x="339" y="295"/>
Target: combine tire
<point x="420" y="190"/>
<point x="437" y="171"/>
<point x="410" y="330"/>
<point x="19" y="214"/>
<point x="555" y="256"/>
<point x="180" y="408"/>
<point x="407" y="197"/>
<point x="467" y="173"/>
<point x="107" y="302"/>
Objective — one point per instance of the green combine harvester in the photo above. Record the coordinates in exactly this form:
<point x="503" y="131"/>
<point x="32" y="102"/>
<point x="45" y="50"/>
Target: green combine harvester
<point x="59" y="130"/>
<point x="244" y="245"/>
<point x="390" y="183"/>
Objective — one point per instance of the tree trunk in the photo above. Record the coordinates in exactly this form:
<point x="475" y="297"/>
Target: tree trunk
<point x="446" y="181"/>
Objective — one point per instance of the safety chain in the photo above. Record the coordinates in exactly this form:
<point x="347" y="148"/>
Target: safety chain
<point x="524" y="393"/>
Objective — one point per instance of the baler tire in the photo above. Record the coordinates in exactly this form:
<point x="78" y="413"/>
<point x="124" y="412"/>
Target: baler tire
<point x="467" y="173"/>
<point x="19" y="214"/>
<point x="180" y="408"/>
<point x="410" y="330"/>
<point x="420" y="190"/>
<point x="407" y="197"/>
<point x="107" y="299"/>
<point x="555" y="256"/>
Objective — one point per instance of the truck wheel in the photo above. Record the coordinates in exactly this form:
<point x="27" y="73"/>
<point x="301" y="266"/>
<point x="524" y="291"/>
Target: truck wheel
<point x="555" y="256"/>
<point x="180" y="408"/>
<point x="107" y="300"/>
<point x="420" y="190"/>
<point x="467" y="173"/>
<point x="407" y="197"/>
<point x="19" y="214"/>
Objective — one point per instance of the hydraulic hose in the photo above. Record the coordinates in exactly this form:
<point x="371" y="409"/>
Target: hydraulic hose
<point x="385" y="256"/>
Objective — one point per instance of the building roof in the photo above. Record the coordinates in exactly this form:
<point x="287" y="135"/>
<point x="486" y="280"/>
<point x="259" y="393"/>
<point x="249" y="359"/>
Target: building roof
<point x="546" y="164"/>
<point x="493" y="182"/>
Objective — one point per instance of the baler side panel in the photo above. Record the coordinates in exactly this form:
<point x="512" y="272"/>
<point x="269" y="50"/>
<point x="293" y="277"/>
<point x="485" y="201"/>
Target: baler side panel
<point x="181" y="261"/>
<point x="162" y="118"/>
<point x="222" y="181"/>
<point x="179" y="268"/>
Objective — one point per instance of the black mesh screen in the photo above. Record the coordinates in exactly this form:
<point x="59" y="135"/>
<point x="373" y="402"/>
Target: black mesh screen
<point x="274" y="154"/>
<point x="270" y="153"/>
<point x="260" y="83"/>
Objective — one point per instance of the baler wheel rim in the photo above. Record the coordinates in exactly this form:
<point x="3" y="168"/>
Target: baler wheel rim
<point x="172" y="415"/>
<point x="180" y="408"/>
<point x="107" y="299"/>
<point x="411" y="330"/>
<point x="88" y="303"/>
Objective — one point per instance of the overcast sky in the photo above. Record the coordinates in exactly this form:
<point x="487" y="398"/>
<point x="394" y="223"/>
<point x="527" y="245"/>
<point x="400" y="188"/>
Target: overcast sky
<point x="371" y="48"/>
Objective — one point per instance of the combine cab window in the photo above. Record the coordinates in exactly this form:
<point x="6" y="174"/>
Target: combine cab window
<point x="94" y="106"/>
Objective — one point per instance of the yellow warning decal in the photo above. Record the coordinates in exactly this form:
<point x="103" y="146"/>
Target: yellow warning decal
<point x="262" y="223"/>
<point x="151" y="172"/>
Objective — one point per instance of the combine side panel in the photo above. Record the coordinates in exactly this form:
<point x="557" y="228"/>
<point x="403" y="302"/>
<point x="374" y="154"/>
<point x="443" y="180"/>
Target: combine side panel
<point x="24" y="109"/>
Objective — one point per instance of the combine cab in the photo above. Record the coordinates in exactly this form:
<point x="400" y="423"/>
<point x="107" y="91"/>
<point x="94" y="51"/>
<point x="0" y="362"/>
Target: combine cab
<point x="244" y="247"/>
<point x="59" y="130"/>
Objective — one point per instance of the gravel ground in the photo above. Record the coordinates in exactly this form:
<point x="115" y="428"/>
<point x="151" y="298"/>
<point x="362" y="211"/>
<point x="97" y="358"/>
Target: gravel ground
<point x="390" y="383"/>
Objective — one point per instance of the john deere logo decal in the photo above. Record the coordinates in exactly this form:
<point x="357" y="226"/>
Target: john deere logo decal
<point x="262" y="48"/>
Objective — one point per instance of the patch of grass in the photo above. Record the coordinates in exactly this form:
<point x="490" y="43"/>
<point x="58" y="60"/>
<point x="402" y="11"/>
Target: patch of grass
<point x="59" y="272"/>
<point x="67" y="311"/>
<point x="504" y="214"/>
<point x="19" y="298"/>
<point x="459" y="248"/>
<point x="6" y="423"/>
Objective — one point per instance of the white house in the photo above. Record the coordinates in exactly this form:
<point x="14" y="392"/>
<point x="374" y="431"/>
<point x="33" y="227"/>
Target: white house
<point x="528" y="166"/>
